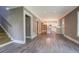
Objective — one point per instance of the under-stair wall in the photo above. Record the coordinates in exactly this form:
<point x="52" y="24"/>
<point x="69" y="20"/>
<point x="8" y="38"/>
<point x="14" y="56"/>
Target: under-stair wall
<point x="5" y="25"/>
<point x="13" y="24"/>
<point x="3" y="20"/>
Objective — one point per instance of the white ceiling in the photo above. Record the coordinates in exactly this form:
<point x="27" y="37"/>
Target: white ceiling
<point x="49" y="13"/>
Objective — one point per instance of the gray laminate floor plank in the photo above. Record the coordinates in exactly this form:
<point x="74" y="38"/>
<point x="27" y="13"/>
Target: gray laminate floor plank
<point x="51" y="43"/>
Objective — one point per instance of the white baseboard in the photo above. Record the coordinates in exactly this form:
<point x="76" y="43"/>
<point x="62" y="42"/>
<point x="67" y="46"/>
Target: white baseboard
<point x="74" y="40"/>
<point x="5" y="44"/>
<point x="18" y="41"/>
<point x="28" y="36"/>
<point x="33" y="36"/>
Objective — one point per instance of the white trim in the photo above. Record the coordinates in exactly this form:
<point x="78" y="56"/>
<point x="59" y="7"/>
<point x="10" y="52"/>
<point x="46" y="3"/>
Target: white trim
<point x="33" y="36"/>
<point x="5" y="44"/>
<point x="32" y="12"/>
<point x="24" y="23"/>
<point x="18" y="41"/>
<point x="74" y="40"/>
<point x="28" y="36"/>
<point x="26" y="13"/>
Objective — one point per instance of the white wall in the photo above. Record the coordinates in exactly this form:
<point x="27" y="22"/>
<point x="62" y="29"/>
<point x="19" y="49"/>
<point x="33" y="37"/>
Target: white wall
<point x="15" y="18"/>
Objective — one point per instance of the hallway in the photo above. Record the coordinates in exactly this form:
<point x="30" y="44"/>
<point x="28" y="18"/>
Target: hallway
<point x="52" y="43"/>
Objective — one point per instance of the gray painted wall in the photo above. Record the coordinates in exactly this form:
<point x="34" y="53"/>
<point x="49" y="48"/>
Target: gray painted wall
<point x="15" y="18"/>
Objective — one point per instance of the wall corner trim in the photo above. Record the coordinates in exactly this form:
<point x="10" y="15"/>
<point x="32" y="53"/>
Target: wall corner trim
<point x="74" y="40"/>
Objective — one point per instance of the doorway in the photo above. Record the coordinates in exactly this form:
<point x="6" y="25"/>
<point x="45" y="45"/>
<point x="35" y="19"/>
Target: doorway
<point x="28" y="27"/>
<point x="37" y="28"/>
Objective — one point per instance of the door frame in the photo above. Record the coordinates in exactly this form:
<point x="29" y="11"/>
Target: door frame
<point x="24" y="23"/>
<point x="37" y="28"/>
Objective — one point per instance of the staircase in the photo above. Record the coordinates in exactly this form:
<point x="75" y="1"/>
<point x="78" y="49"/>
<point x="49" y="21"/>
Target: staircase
<point x="3" y="37"/>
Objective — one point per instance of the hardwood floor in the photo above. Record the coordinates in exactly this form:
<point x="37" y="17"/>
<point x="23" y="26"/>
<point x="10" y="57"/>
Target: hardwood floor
<point x="52" y="43"/>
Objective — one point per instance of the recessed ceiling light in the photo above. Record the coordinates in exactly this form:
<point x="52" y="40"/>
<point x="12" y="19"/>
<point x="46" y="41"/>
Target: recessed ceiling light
<point x="7" y="8"/>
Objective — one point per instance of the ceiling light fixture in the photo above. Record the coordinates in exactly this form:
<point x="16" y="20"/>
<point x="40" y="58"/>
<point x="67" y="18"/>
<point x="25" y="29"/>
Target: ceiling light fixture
<point x="7" y="8"/>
